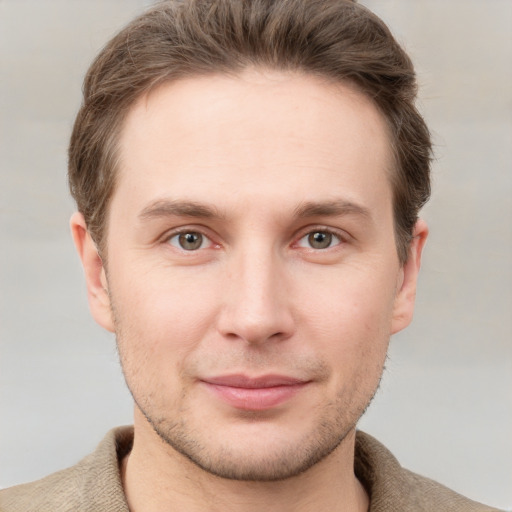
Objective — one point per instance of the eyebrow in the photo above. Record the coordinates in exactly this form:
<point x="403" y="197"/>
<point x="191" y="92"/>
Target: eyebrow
<point x="331" y="209"/>
<point x="177" y="208"/>
<point x="169" y="208"/>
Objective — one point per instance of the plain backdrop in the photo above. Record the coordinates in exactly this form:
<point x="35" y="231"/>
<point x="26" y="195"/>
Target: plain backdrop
<point x="445" y="404"/>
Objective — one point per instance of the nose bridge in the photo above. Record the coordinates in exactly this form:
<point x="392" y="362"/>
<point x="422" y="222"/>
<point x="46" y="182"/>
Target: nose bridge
<point x="256" y="306"/>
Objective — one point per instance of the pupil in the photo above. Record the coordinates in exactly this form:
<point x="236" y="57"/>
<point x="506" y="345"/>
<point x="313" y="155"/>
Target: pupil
<point x="320" y="240"/>
<point x="190" y="241"/>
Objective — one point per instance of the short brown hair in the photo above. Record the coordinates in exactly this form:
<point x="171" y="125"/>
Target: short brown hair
<point x="335" y="39"/>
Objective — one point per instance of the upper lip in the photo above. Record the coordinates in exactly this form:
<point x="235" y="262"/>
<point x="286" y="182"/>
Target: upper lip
<point x="244" y="381"/>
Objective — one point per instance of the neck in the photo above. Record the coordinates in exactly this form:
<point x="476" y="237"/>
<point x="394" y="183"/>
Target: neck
<point x="156" y="477"/>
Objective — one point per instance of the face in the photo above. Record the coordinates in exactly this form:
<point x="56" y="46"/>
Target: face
<point x="252" y="278"/>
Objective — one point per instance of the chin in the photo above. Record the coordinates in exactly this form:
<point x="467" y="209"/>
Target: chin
<point x="260" y="452"/>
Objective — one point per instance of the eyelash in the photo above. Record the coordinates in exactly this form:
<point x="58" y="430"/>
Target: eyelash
<point x="188" y="231"/>
<point x="333" y="234"/>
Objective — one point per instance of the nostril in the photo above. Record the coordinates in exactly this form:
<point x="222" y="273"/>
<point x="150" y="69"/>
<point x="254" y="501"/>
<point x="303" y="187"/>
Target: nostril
<point x="271" y="328"/>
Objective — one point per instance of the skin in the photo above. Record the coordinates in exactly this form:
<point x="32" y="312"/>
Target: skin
<point x="255" y="165"/>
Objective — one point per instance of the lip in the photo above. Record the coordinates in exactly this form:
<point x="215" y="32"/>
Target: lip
<point x="254" y="393"/>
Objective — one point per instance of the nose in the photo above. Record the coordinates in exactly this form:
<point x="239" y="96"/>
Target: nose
<point x="257" y="304"/>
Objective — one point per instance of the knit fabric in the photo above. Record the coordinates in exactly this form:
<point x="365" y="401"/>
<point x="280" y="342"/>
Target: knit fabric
<point x="393" y="488"/>
<point x="94" y="484"/>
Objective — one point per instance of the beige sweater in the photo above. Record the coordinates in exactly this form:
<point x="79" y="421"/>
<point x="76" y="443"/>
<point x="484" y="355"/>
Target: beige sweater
<point x="94" y="484"/>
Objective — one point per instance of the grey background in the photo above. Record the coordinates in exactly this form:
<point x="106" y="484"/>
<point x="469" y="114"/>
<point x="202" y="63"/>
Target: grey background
<point x="445" y="405"/>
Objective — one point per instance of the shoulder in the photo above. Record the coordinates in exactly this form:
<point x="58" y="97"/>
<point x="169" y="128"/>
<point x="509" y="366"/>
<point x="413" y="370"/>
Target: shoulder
<point x="392" y="487"/>
<point x="92" y="484"/>
<point x="54" y="492"/>
<point x="427" y="494"/>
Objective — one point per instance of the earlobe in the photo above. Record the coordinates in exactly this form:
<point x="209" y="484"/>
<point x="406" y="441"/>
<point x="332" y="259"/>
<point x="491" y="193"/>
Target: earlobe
<point x="94" y="270"/>
<point x="406" y="290"/>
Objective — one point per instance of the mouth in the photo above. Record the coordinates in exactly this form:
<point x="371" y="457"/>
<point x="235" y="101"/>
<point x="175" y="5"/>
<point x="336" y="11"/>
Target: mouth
<point x="254" y="393"/>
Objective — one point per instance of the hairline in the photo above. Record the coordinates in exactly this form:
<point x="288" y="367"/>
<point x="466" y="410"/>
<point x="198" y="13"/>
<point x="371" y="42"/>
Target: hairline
<point x="391" y="168"/>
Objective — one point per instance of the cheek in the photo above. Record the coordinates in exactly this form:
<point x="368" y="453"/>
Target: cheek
<point x="352" y="299"/>
<point x="352" y="314"/>
<point x="161" y="317"/>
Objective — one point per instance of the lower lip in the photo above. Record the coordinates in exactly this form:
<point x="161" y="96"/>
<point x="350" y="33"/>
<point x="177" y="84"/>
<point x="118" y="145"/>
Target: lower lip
<point x="256" y="399"/>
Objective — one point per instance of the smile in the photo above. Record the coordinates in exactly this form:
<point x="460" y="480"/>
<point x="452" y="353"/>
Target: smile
<point x="254" y="394"/>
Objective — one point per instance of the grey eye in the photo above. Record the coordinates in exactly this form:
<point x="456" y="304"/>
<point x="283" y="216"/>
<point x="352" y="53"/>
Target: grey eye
<point x="189" y="241"/>
<point x="320" y="240"/>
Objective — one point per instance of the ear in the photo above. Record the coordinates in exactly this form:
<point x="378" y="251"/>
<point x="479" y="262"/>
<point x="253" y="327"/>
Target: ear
<point x="408" y="277"/>
<point x="95" y="277"/>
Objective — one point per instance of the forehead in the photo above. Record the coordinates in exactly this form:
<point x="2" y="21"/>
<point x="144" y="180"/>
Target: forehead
<point x="275" y="135"/>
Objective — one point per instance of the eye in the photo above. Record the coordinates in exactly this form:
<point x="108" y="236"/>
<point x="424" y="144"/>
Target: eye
<point x="319" y="240"/>
<point x="189" y="241"/>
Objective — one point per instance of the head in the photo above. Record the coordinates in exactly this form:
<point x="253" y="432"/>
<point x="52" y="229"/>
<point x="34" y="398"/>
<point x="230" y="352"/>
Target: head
<point x="249" y="176"/>
<point x="337" y="40"/>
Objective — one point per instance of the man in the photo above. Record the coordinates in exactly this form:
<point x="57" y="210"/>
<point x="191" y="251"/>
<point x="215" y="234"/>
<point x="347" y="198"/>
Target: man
<point x="248" y="178"/>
